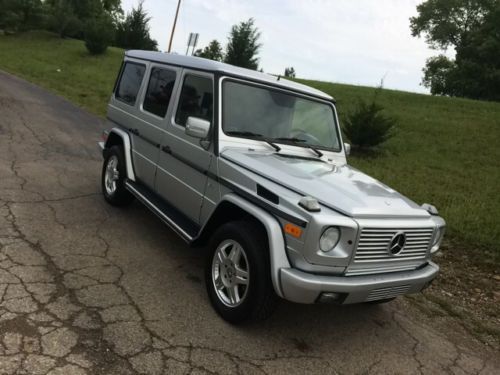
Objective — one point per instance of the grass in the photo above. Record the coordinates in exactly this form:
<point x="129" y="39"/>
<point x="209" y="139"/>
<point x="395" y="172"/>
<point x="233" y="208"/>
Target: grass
<point x="62" y="66"/>
<point x="446" y="151"/>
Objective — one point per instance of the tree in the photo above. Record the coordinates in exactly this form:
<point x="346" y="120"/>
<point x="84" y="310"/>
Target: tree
<point x="290" y="72"/>
<point x="437" y="74"/>
<point x="99" y="34"/>
<point x="367" y="126"/>
<point x="243" y="45"/>
<point x="71" y="17"/>
<point x="133" y="32"/>
<point x="20" y="15"/>
<point x="62" y="19"/>
<point x="213" y="51"/>
<point x="472" y="27"/>
<point x="447" y="23"/>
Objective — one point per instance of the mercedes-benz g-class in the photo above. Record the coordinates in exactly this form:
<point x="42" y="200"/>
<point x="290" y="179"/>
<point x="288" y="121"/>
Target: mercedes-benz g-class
<point x="253" y="167"/>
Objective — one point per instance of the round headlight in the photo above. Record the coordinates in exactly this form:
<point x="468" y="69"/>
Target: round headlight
<point x="437" y="236"/>
<point x="329" y="239"/>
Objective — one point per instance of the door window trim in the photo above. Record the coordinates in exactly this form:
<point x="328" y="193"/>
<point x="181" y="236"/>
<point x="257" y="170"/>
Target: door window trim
<point x="139" y="94"/>
<point x="173" y="69"/>
<point x="196" y="73"/>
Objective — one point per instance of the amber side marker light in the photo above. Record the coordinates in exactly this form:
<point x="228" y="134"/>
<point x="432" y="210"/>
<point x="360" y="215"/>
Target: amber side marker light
<point x="293" y="230"/>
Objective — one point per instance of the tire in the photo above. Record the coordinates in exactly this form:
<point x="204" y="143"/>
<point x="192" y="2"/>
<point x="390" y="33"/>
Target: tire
<point x="257" y="297"/>
<point x="113" y="178"/>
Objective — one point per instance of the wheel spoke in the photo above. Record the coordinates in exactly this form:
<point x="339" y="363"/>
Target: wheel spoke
<point x="218" y="283"/>
<point x="233" y="294"/>
<point x="235" y="254"/>
<point x="221" y="256"/>
<point x="241" y="276"/>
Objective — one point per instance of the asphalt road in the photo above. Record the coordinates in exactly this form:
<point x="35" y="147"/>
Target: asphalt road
<point x="86" y="288"/>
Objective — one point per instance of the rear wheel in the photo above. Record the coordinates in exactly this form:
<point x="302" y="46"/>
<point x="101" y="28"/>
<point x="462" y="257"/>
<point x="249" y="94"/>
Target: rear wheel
<point x="113" y="178"/>
<point x="237" y="273"/>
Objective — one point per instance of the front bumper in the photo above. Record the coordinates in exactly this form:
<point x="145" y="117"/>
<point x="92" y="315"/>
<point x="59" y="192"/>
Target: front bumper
<point x="302" y="287"/>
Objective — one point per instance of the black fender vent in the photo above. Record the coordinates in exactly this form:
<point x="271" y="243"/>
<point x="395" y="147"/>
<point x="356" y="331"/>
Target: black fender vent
<point x="267" y="194"/>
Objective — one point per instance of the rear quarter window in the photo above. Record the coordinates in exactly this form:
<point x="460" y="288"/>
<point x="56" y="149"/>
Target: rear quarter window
<point x="130" y="82"/>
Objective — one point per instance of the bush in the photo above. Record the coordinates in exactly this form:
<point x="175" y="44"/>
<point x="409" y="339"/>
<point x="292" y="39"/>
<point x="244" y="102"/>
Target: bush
<point x="98" y="35"/>
<point x="366" y="126"/>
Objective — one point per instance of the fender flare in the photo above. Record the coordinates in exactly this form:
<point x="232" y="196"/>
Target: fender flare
<point x="277" y="250"/>
<point x="127" y="149"/>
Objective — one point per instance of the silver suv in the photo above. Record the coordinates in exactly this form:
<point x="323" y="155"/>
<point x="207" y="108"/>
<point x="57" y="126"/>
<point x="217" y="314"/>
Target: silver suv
<point x="253" y="168"/>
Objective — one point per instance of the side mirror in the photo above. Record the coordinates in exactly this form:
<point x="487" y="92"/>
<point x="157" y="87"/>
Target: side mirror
<point x="197" y="127"/>
<point x="347" y="148"/>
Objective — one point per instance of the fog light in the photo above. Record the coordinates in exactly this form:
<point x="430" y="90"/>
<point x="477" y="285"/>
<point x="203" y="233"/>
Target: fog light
<point x="329" y="297"/>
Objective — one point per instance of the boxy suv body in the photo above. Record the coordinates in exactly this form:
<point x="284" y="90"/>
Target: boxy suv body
<point x="253" y="167"/>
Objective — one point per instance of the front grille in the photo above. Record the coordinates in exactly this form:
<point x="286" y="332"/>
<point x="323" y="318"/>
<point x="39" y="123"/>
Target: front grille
<point x="372" y="254"/>
<point x="389" y="292"/>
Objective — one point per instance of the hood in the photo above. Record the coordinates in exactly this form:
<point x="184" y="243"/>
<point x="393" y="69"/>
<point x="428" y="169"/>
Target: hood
<point x="342" y="188"/>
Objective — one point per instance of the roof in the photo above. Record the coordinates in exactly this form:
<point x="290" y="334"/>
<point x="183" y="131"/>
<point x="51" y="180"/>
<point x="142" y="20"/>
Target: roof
<point x="219" y="67"/>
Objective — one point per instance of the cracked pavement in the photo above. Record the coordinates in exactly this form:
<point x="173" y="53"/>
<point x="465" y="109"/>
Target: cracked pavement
<point x="86" y="288"/>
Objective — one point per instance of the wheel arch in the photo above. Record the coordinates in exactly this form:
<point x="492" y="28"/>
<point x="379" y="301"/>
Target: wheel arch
<point x="233" y="207"/>
<point x="119" y="137"/>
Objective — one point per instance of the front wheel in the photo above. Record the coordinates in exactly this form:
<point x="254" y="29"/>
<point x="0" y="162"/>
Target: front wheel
<point x="237" y="273"/>
<point x="113" y="178"/>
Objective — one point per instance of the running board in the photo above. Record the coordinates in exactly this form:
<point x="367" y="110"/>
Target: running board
<point x="170" y="215"/>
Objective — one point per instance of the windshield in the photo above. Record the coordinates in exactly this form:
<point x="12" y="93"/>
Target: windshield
<point x="259" y="112"/>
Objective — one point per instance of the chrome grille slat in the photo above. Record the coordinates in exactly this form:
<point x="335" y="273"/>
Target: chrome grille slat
<point x="372" y="255"/>
<point x="389" y="292"/>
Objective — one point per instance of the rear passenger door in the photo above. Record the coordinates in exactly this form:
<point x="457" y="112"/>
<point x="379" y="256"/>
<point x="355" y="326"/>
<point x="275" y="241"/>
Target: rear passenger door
<point x="183" y="162"/>
<point x="153" y="109"/>
<point x="124" y="110"/>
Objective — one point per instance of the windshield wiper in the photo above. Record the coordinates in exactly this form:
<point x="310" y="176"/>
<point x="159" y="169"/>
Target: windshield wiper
<point x="260" y="137"/>
<point x="300" y="142"/>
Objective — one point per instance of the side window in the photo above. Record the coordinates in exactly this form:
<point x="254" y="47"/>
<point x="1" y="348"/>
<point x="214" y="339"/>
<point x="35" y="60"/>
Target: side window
<point x="161" y="84"/>
<point x="130" y="82"/>
<point x="196" y="99"/>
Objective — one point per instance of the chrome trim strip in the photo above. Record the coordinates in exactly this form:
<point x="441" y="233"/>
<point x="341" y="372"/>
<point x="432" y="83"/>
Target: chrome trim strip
<point x="159" y="213"/>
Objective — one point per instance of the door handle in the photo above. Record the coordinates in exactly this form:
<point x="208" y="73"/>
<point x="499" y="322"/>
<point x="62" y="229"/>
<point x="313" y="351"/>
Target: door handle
<point x="134" y="131"/>
<point x="166" y="149"/>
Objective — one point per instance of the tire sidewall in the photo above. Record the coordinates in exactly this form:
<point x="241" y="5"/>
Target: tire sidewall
<point x="121" y="195"/>
<point x="256" y="250"/>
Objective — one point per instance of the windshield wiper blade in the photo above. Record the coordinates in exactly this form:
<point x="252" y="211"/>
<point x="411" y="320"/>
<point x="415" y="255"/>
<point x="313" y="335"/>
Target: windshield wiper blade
<point x="290" y="139"/>
<point x="300" y="142"/>
<point x="260" y="137"/>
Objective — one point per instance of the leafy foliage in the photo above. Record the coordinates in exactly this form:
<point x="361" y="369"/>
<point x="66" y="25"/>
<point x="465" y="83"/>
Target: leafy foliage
<point x="213" y="51"/>
<point x="447" y="23"/>
<point x="133" y="32"/>
<point x="99" y="34"/>
<point x="243" y="45"/>
<point x="290" y="72"/>
<point x="472" y="27"/>
<point x="20" y="15"/>
<point x="63" y="20"/>
<point x="367" y="126"/>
